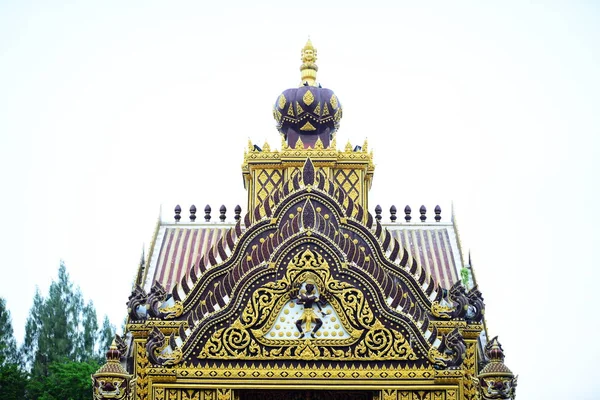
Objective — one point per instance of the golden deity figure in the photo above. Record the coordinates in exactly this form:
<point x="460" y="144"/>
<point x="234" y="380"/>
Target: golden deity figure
<point x="308" y="69"/>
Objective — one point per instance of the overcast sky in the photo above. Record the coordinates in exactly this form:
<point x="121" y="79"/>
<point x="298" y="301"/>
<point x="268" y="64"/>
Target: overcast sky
<point x="109" y="110"/>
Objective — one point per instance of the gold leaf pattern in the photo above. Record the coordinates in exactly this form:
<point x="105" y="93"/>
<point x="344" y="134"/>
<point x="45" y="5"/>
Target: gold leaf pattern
<point x="308" y="127"/>
<point x="281" y="101"/>
<point x="299" y="110"/>
<point x="318" y="109"/>
<point x="334" y="101"/>
<point x="308" y="98"/>
<point x="290" y="110"/>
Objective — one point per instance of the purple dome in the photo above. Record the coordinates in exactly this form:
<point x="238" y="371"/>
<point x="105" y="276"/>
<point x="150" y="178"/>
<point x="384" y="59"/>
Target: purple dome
<point x="309" y="113"/>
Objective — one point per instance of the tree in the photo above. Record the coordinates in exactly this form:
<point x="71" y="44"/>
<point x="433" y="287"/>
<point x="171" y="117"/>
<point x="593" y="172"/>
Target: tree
<point x="88" y="335"/>
<point x="13" y="382"/>
<point x="105" y="338"/>
<point x="65" y="380"/>
<point x="13" y="379"/>
<point x="8" y="345"/>
<point x="51" y="332"/>
<point x="32" y="330"/>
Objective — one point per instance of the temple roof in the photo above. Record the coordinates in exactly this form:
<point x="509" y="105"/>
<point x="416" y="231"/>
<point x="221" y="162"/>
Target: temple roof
<point x="178" y="246"/>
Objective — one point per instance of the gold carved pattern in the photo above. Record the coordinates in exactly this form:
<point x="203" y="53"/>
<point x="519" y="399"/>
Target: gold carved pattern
<point x="192" y="394"/>
<point x="299" y="110"/>
<point x="422" y="395"/>
<point x="338" y="115"/>
<point x="290" y="110"/>
<point x="245" y="338"/>
<point x="334" y="101"/>
<point x="141" y="381"/>
<point x="349" y="181"/>
<point x="469" y="364"/>
<point x="318" y="109"/>
<point x="451" y="394"/>
<point x="281" y="102"/>
<point x="389" y="394"/>
<point x="308" y="98"/>
<point x="267" y="180"/>
<point x="172" y="312"/>
<point x="224" y="394"/>
<point x="325" y="110"/>
<point x="159" y="393"/>
<point x="308" y="127"/>
<point x="253" y="371"/>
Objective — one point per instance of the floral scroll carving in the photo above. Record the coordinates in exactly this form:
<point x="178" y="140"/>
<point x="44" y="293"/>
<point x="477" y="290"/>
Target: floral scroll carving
<point x="367" y="337"/>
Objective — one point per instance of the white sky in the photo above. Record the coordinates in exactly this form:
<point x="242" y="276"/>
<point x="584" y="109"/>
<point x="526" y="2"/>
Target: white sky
<point x="108" y="111"/>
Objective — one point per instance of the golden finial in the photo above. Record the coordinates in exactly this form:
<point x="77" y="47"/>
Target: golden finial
<point x="319" y="144"/>
<point x="348" y="146"/>
<point x="308" y="69"/>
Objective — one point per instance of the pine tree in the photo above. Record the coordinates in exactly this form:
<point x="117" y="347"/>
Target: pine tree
<point x="62" y="341"/>
<point x="8" y="344"/>
<point x="32" y="330"/>
<point x="13" y="379"/>
<point x="88" y="334"/>
<point x="105" y="338"/>
<point x="60" y="327"/>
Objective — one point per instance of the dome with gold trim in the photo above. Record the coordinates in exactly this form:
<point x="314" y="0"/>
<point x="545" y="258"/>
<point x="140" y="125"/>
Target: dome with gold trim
<point x="309" y="112"/>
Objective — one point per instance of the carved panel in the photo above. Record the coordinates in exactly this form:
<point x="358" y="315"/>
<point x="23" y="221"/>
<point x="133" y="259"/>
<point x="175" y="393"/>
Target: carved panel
<point x="141" y="364"/>
<point x="389" y="394"/>
<point x="192" y="394"/>
<point x="422" y="395"/>
<point x="349" y="180"/>
<point x="367" y="338"/>
<point x="469" y="388"/>
<point x="305" y="395"/>
<point x="266" y="181"/>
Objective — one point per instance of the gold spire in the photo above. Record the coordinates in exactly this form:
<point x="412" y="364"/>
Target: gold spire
<point x="308" y="69"/>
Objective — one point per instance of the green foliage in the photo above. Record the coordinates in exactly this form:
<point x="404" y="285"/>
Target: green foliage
<point x="8" y="345"/>
<point x="105" y="338"/>
<point x="13" y="379"/>
<point x="67" y="380"/>
<point x="464" y="276"/>
<point x="62" y="327"/>
<point x="63" y="346"/>
<point x="13" y="382"/>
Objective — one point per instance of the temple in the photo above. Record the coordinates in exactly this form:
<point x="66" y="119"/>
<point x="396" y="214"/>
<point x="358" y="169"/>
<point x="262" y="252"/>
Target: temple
<point x="307" y="294"/>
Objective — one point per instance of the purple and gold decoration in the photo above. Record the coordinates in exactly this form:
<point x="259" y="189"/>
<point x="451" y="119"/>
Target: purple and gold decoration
<point x="309" y="113"/>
